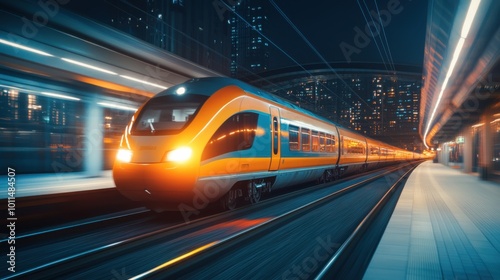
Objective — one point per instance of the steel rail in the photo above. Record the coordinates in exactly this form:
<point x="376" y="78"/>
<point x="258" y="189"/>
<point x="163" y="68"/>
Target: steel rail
<point x="177" y="267"/>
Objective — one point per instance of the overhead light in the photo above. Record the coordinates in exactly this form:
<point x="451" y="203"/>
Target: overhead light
<point x="456" y="55"/>
<point x="88" y="66"/>
<point x="454" y="59"/>
<point x="117" y="106"/>
<point x="61" y="96"/>
<point x="469" y="18"/>
<point x="142" y="81"/>
<point x="24" y="48"/>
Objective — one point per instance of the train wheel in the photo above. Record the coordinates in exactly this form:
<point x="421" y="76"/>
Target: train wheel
<point x="254" y="192"/>
<point x="229" y="200"/>
<point x="327" y="176"/>
<point x="322" y="179"/>
<point x="336" y="174"/>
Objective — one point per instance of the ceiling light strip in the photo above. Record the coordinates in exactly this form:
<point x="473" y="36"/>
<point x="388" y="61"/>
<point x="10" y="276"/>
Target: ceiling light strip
<point x="61" y="96"/>
<point x="15" y="45"/>
<point x="116" y="106"/>
<point x="471" y="13"/>
<point x="142" y="81"/>
<point x="88" y="66"/>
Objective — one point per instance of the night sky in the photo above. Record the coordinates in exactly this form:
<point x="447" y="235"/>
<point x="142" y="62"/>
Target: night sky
<point x="329" y="23"/>
<point x="326" y="24"/>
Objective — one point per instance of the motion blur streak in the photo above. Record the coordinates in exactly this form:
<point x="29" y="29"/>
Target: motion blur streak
<point x="236" y="225"/>
<point x="173" y="261"/>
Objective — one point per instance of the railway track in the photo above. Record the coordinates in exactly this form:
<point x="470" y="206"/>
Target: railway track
<point x="191" y="267"/>
<point x="189" y="244"/>
<point x="92" y="222"/>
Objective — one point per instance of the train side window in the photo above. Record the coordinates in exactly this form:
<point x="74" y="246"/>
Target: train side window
<point x="315" y="141"/>
<point x="322" y="142"/>
<point x="353" y="147"/>
<point x="361" y="148"/>
<point x="293" y="138"/>
<point x="306" y="139"/>
<point x="345" y="146"/>
<point x="167" y="114"/>
<point x="374" y="150"/>
<point x="330" y="143"/>
<point x="390" y="153"/>
<point x="236" y="134"/>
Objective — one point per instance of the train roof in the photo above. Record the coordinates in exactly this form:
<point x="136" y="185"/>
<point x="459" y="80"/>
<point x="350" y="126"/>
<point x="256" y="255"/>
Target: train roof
<point x="208" y="86"/>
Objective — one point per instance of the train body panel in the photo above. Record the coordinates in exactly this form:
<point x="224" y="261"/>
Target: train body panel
<point x="197" y="142"/>
<point x="353" y="152"/>
<point x="373" y="153"/>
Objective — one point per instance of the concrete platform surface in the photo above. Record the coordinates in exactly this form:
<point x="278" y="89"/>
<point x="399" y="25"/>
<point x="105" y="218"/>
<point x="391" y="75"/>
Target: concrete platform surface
<point x="446" y="225"/>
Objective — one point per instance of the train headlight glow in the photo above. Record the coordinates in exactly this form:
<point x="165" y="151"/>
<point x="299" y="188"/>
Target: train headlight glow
<point x="179" y="155"/>
<point x="180" y="91"/>
<point x="124" y="155"/>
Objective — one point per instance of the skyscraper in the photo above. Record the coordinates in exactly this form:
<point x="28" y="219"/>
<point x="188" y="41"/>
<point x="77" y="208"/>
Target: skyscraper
<point x="190" y="29"/>
<point x="249" y="49"/>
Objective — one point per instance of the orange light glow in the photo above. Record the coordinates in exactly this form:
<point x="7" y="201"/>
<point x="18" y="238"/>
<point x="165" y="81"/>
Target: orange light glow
<point x="244" y="223"/>
<point x="179" y="155"/>
<point x="237" y="225"/>
<point x="113" y="86"/>
<point x="176" y="260"/>
<point x="124" y="155"/>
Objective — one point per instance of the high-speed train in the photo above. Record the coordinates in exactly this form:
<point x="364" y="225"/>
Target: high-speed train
<point x="219" y="139"/>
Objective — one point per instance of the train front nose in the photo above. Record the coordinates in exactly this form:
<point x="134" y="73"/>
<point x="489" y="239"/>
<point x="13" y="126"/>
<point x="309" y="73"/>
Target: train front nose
<point x="159" y="157"/>
<point x="167" y="182"/>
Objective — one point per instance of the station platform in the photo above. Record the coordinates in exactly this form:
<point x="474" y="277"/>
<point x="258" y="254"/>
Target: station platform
<point x="47" y="184"/>
<point x="446" y="225"/>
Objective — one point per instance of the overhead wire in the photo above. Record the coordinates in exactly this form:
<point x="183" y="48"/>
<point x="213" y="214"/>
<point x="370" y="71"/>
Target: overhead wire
<point x="378" y="37"/>
<point x="232" y="9"/>
<point x="280" y="11"/>
<point x="126" y="2"/>
<point x="385" y="37"/>
<point x="371" y="32"/>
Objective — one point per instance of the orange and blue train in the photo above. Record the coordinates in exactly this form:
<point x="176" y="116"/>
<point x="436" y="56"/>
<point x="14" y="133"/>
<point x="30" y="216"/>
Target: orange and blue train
<point x="219" y="139"/>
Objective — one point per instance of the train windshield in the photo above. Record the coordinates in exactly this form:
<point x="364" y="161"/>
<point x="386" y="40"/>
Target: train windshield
<point x="167" y="114"/>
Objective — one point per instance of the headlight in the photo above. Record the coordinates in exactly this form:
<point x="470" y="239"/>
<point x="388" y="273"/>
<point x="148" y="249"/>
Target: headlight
<point x="124" y="155"/>
<point x="179" y="155"/>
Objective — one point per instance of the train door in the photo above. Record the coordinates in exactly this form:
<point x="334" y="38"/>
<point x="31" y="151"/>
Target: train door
<point x="341" y="146"/>
<point x="275" y="138"/>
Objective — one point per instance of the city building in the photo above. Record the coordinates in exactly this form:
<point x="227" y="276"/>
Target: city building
<point x="249" y="49"/>
<point x="213" y="34"/>
<point x="195" y="30"/>
<point x="363" y="97"/>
